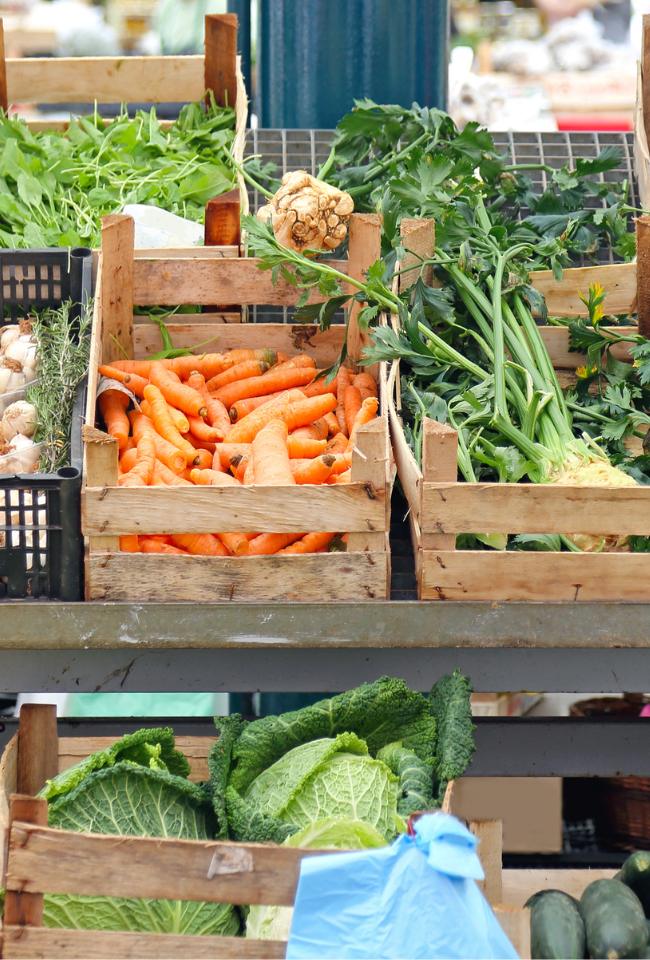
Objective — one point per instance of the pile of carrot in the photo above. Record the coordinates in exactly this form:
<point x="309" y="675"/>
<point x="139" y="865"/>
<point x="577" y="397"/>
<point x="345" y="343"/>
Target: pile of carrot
<point x="247" y="417"/>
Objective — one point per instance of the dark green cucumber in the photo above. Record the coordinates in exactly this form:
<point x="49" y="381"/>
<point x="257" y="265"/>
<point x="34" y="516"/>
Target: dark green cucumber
<point x="556" y="927"/>
<point x="614" y="921"/>
<point x="635" y="873"/>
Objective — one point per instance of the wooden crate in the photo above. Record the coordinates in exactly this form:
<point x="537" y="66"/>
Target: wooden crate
<point x="642" y="118"/>
<point x="361" y="508"/>
<point x="40" y="860"/>
<point x="135" y="79"/>
<point x="441" y="506"/>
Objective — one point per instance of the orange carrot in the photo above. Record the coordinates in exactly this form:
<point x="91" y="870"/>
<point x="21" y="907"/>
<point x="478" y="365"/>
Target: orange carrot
<point x="310" y="543"/>
<point x="167" y="476"/>
<point x="113" y="404"/>
<point x="238" y="465"/>
<point x="332" y="424"/>
<point x="343" y="380"/>
<point x="128" y="459"/>
<point x="200" y="544"/>
<point x="241" y="408"/>
<point x="142" y="473"/>
<point x="317" y="387"/>
<point x="213" y="478"/>
<point x="307" y="411"/>
<point x="338" y="444"/>
<point x="342" y="462"/>
<point x="345" y="477"/>
<point x="212" y="366"/>
<point x="352" y="403"/>
<point x="200" y="444"/>
<point x="203" y="459"/>
<point x="300" y="360"/>
<point x="271" y="457"/>
<point x="129" y="543"/>
<point x="175" y="393"/>
<point x="304" y="447"/>
<point x="138" y="367"/>
<point x="224" y="451"/>
<point x="203" y="431"/>
<point x="317" y="430"/>
<point x="149" y="545"/>
<point x="166" y="452"/>
<point x="365" y="384"/>
<point x="269" y="382"/>
<point x="312" y="471"/>
<point x="367" y="413"/>
<point x="130" y="445"/>
<point x="179" y="419"/>
<point x="249" y="473"/>
<point x="217" y="414"/>
<point x="163" y="422"/>
<point x="134" y="383"/>
<point x="235" y="543"/>
<point x="241" y="371"/>
<point x="268" y="543"/>
<point x="282" y="357"/>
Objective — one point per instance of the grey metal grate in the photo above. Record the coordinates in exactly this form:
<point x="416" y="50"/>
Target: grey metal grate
<point x="308" y="149"/>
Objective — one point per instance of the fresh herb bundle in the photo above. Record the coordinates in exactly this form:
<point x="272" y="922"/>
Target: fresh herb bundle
<point x="56" y="186"/>
<point x="63" y="347"/>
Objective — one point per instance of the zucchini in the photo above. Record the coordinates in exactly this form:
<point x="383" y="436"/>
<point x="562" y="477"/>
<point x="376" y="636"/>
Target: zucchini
<point x="614" y="921"/>
<point x="556" y="927"/>
<point x="635" y="873"/>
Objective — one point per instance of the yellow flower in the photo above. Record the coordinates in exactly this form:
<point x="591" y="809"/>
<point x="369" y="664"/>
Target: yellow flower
<point x="584" y="372"/>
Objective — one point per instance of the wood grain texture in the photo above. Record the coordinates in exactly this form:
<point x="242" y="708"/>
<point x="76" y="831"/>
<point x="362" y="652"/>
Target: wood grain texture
<point x="42" y="860"/>
<point x="370" y="466"/>
<point x="116" y="280"/>
<point x="517" y="575"/>
<point x="563" y="300"/>
<point x="519" y="885"/>
<point x="535" y="508"/>
<point x="220" y="70"/>
<point x="364" y="249"/>
<point x="102" y="471"/>
<point x="239" y="144"/>
<point x="37" y="747"/>
<point x="106" y="79"/>
<point x="515" y="923"/>
<point x="643" y="274"/>
<point x="22" y="943"/>
<point x="419" y="237"/>
<point x="133" y="577"/>
<point x="439" y="463"/>
<point x="21" y="906"/>
<point x="641" y="152"/>
<point x="286" y="337"/>
<point x="161" y="510"/>
<point x="4" y="104"/>
<point x="8" y="785"/>
<point x="206" y="281"/>
<point x="645" y="74"/>
<point x="489" y="834"/>
<point x="222" y="223"/>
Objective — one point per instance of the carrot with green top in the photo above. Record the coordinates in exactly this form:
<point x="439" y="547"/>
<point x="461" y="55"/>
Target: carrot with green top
<point x="175" y="393"/>
<point x="271" y="466"/>
<point x="200" y="544"/>
<point x="367" y="413"/>
<point x="166" y="452"/>
<point x="304" y="447"/>
<point x="241" y="371"/>
<point x="270" y="382"/>
<point x="142" y="473"/>
<point x="217" y="415"/>
<point x="312" y="471"/>
<point x="213" y="478"/>
<point x="163" y="422"/>
<point x="269" y="543"/>
<point x="112" y="405"/>
<point x="310" y="543"/>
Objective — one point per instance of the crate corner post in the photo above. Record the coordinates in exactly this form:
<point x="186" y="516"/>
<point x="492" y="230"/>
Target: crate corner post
<point x="38" y="747"/>
<point x="220" y="76"/>
<point x="364" y="250"/>
<point x="116" y="286"/>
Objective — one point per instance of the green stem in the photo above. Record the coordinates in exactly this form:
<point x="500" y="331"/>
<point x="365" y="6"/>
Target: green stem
<point x="378" y="168"/>
<point x="247" y="177"/>
<point x="327" y="166"/>
<point x="500" y="405"/>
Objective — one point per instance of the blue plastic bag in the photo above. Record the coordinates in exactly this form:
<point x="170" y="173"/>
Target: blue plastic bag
<point x="414" y="900"/>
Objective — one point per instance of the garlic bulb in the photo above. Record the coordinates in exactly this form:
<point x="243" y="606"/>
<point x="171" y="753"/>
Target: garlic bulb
<point x="8" y="335"/>
<point x="26" y="454"/>
<point x="22" y="349"/>
<point x="19" y="418"/>
<point x="11" y="375"/>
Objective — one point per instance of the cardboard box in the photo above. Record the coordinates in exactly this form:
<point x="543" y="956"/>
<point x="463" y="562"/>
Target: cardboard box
<point x="530" y="808"/>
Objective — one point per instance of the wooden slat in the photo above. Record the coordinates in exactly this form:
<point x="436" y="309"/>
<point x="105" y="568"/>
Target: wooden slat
<point x="364" y="249"/>
<point x="131" y="577"/>
<point x="23" y="943"/>
<point x="165" y="283"/>
<point x="222" y="221"/>
<point x="519" y="885"/>
<point x="439" y="464"/>
<point x="515" y="923"/>
<point x="74" y="749"/>
<point x="160" y="510"/>
<point x="37" y="747"/>
<point x="489" y="834"/>
<point x="221" y="58"/>
<point x="116" y="281"/>
<point x="645" y="73"/>
<point x="24" y="907"/>
<point x="288" y="338"/>
<point x="8" y="785"/>
<point x="535" y="508"/>
<point x="643" y="274"/>
<point x="43" y="860"/>
<point x="549" y="577"/>
<point x="4" y="105"/>
<point x="562" y="299"/>
<point x="216" y="252"/>
<point x="106" y="79"/>
<point x="370" y="463"/>
<point x="101" y="456"/>
<point x="419" y="236"/>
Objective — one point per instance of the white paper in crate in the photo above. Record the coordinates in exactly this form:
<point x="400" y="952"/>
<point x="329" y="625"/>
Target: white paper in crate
<point x="155" y="228"/>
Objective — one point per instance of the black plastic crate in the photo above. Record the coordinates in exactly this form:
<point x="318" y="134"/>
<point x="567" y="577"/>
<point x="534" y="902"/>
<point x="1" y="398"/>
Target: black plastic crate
<point x="41" y="547"/>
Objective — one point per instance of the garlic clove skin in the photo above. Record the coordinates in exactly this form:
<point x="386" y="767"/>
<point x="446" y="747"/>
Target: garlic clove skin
<point x="22" y="349"/>
<point x="11" y="375"/>
<point x="19" y="419"/>
<point x="7" y="337"/>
